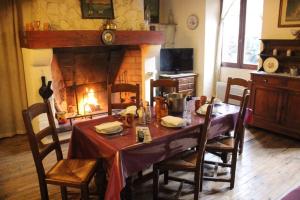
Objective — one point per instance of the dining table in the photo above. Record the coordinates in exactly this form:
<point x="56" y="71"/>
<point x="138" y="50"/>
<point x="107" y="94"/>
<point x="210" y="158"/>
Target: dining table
<point x="124" y="155"/>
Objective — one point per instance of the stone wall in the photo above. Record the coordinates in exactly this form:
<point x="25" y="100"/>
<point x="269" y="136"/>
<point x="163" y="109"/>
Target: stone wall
<point x="66" y="15"/>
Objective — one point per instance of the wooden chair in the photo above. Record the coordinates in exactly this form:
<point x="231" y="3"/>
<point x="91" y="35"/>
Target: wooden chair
<point x="65" y="172"/>
<point x="235" y="82"/>
<point x="122" y="88"/>
<point x="189" y="161"/>
<point x="162" y="84"/>
<point x="227" y="144"/>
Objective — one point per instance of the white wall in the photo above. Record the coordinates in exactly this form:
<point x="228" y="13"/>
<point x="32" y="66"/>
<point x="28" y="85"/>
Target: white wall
<point x="202" y="39"/>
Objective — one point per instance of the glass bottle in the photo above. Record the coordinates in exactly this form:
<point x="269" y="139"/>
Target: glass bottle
<point x="141" y="114"/>
<point x="148" y="113"/>
<point x="187" y="114"/>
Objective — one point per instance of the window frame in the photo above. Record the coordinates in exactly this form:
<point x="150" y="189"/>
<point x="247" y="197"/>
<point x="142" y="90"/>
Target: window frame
<point x="241" y="40"/>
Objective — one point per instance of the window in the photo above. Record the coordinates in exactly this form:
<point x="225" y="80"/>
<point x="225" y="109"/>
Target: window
<point x="242" y="23"/>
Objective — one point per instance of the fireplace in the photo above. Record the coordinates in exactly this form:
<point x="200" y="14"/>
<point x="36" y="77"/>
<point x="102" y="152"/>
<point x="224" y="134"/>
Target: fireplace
<point x="81" y="66"/>
<point x="80" y="77"/>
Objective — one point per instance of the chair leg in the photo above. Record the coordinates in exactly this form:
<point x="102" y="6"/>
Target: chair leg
<point x="166" y="177"/>
<point x="43" y="190"/>
<point x="64" y="193"/>
<point x="201" y="173"/>
<point x="85" y="192"/>
<point x="155" y="182"/>
<point x="128" y="188"/>
<point x="140" y="174"/>
<point x="232" y="170"/>
<point x="241" y="144"/>
<point x="198" y="182"/>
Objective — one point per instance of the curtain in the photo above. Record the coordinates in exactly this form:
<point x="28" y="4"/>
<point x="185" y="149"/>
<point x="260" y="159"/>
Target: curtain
<point x="12" y="80"/>
<point x="224" y="12"/>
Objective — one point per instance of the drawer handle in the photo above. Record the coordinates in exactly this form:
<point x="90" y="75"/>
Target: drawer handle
<point x="266" y="80"/>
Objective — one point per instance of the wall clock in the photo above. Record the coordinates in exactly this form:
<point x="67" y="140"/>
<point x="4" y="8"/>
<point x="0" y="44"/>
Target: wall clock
<point x="108" y="37"/>
<point x="192" y="22"/>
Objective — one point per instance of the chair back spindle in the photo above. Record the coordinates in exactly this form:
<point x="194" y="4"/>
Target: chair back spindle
<point x="118" y="88"/>
<point x="162" y="84"/>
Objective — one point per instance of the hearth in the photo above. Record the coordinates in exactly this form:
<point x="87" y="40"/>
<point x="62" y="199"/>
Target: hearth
<point x="81" y="75"/>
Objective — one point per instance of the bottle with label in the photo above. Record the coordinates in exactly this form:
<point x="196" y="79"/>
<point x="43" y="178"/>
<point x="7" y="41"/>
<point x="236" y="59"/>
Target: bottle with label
<point x="141" y="113"/>
<point x="187" y="114"/>
<point x="148" y="113"/>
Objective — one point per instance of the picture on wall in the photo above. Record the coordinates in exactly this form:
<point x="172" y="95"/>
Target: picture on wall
<point x="289" y="13"/>
<point x="97" y="9"/>
<point x="153" y="6"/>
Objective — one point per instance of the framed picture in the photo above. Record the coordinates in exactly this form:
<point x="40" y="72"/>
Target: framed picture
<point x="153" y="6"/>
<point x="97" y="9"/>
<point x="289" y="13"/>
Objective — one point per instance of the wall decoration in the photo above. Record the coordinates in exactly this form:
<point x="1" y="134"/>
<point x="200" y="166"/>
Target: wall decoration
<point x="192" y="22"/>
<point x="289" y="13"/>
<point x="153" y="6"/>
<point x="97" y="9"/>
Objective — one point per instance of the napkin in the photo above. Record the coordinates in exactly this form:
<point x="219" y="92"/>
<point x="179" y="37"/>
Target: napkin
<point x="173" y="121"/>
<point x="109" y="127"/>
<point x="216" y="110"/>
<point x="128" y="110"/>
<point x="202" y="109"/>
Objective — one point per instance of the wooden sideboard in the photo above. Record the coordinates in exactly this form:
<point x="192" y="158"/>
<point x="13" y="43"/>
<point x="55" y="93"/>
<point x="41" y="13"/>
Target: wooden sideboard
<point x="275" y="99"/>
<point x="187" y="82"/>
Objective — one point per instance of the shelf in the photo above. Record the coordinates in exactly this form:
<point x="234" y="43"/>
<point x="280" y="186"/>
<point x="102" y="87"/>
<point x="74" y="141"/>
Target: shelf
<point x="280" y="57"/>
<point x="81" y="38"/>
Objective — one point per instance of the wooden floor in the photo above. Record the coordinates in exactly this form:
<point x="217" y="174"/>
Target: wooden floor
<point x="268" y="168"/>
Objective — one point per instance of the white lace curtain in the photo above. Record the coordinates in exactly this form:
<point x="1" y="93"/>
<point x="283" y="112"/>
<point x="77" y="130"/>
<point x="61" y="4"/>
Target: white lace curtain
<point x="12" y="81"/>
<point x="225" y="10"/>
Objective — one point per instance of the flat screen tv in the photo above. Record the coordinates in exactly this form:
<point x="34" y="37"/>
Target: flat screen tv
<point x="176" y="60"/>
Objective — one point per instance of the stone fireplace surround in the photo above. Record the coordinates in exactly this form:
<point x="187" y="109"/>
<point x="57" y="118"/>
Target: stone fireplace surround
<point x="139" y="61"/>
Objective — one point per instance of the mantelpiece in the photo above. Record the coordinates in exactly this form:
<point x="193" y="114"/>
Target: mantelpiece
<point x="77" y="38"/>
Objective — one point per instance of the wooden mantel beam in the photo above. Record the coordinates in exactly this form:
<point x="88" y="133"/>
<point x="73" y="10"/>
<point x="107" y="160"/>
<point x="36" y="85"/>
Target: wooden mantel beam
<point x="83" y="38"/>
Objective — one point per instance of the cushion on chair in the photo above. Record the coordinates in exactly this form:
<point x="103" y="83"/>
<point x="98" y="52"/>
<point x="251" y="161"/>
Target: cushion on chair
<point x="224" y="144"/>
<point x="71" y="171"/>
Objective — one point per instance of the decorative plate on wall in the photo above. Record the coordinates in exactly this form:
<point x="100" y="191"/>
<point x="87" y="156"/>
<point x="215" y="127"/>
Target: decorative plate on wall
<point x="192" y="22"/>
<point x="271" y="65"/>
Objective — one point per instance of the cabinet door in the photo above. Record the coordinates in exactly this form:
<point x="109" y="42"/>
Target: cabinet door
<point x="266" y="103"/>
<point x="291" y="115"/>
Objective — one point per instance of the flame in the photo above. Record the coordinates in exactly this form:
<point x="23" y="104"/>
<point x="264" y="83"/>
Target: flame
<point x="88" y="102"/>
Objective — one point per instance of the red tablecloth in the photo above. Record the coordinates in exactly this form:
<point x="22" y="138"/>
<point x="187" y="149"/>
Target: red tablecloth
<point x="124" y="156"/>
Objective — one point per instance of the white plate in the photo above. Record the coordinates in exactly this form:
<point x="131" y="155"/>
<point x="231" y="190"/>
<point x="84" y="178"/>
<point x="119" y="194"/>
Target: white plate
<point x="271" y="65"/>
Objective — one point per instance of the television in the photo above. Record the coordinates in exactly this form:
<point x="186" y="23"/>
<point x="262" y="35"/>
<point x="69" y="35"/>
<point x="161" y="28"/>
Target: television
<point x="176" y="60"/>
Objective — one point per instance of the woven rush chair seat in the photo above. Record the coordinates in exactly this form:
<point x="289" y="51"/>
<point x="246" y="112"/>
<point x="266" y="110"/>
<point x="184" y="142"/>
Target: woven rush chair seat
<point x="186" y="160"/>
<point x="224" y="144"/>
<point x="71" y="171"/>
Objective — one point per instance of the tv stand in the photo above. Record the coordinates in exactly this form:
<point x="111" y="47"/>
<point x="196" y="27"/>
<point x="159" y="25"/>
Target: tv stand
<point x="187" y="81"/>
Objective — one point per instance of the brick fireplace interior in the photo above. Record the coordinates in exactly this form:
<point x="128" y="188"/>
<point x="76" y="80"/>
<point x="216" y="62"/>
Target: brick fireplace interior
<point x="81" y="75"/>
